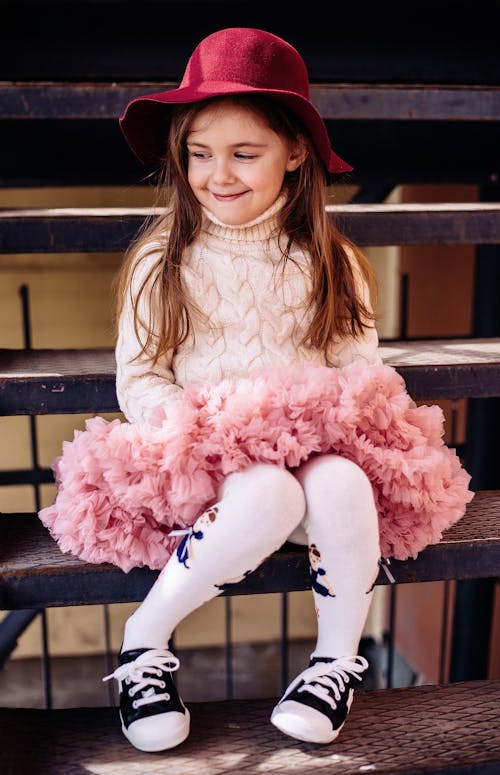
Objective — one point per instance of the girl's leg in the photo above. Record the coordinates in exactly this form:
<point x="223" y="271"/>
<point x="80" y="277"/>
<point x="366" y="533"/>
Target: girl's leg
<point x="257" y="510"/>
<point x="341" y="525"/>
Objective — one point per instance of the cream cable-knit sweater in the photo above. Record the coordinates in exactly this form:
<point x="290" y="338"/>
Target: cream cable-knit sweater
<point x="255" y="316"/>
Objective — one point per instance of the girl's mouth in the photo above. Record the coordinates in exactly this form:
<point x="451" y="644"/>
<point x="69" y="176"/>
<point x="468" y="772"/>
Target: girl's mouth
<point x="227" y="197"/>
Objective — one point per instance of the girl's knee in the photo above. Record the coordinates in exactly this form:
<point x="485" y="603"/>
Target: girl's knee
<point x="340" y="503"/>
<point x="278" y="486"/>
<point x="333" y="472"/>
<point x="272" y="486"/>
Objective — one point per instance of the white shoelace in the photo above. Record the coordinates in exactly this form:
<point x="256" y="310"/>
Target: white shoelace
<point x="323" y="678"/>
<point x="152" y="661"/>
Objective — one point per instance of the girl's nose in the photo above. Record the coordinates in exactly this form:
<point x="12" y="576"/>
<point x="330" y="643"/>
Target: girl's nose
<point x="222" y="172"/>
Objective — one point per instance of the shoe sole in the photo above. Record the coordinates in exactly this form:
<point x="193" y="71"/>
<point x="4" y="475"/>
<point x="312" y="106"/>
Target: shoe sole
<point x="161" y="745"/>
<point x="293" y="727"/>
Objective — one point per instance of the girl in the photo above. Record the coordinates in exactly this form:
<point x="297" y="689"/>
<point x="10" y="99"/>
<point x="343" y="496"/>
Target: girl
<point x="258" y="406"/>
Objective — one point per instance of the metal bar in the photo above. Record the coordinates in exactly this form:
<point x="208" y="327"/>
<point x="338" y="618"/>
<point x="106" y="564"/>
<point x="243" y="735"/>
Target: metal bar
<point x="446" y="607"/>
<point x="390" y="640"/>
<point x="93" y="230"/>
<point x="38" y="574"/>
<point x="284" y="645"/>
<point x="105" y="101"/>
<point x="403" y="305"/>
<point x="12" y="626"/>
<point x="46" y="667"/>
<point x="25" y="303"/>
<point x="108" y="653"/>
<point x="228" y="648"/>
<point x="443" y="644"/>
<point x="73" y="395"/>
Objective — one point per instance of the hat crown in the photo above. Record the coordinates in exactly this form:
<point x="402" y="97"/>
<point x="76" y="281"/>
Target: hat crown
<point x="248" y="56"/>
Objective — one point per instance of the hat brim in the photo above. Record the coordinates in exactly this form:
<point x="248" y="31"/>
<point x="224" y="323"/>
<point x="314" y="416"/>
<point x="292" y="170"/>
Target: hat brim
<point x="145" y="121"/>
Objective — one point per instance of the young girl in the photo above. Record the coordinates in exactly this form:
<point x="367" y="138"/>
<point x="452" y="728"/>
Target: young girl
<point x="258" y="408"/>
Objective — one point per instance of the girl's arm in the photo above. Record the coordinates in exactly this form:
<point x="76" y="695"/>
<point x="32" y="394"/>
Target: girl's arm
<point x="350" y="349"/>
<point x="140" y="387"/>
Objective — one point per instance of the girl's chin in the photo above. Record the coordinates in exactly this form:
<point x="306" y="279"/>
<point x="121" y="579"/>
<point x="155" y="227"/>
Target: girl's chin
<point x="231" y="216"/>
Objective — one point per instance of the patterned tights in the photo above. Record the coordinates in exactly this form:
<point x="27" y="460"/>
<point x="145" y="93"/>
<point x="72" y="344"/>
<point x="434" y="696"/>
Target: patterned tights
<point x="327" y="503"/>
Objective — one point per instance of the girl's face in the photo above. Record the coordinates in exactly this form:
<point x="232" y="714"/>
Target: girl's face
<point x="236" y="163"/>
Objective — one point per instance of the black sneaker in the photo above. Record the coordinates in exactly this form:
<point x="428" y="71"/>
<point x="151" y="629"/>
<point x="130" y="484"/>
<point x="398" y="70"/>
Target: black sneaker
<point x="315" y="706"/>
<point x="153" y="715"/>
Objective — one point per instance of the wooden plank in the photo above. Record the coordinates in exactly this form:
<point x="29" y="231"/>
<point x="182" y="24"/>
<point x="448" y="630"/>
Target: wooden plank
<point x="422" y="729"/>
<point x="396" y="102"/>
<point x="82" y="381"/>
<point x="34" y="573"/>
<point x="90" y="230"/>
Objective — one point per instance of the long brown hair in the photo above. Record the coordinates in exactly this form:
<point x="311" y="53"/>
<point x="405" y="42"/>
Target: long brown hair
<point x="335" y="301"/>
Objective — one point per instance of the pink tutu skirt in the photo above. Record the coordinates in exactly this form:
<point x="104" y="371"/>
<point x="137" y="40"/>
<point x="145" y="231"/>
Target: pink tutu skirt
<point x="122" y="487"/>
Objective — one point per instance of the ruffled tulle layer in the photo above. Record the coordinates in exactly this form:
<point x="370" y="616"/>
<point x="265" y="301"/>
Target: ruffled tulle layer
<point x="121" y="487"/>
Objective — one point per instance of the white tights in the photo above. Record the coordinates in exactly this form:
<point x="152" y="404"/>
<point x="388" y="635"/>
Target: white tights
<point x="327" y="503"/>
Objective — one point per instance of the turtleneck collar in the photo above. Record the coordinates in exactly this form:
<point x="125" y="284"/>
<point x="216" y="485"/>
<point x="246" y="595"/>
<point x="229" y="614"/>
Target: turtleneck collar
<point x="261" y="228"/>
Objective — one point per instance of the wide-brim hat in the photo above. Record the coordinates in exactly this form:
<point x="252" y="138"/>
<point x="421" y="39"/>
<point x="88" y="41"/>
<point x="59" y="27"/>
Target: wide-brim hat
<point x="236" y="60"/>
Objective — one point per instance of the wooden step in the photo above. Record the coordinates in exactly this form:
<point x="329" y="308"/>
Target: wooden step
<point x="426" y="729"/>
<point x="70" y="381"/>
<point x="89" y="230"/>
<point x="396" y="102"/>
<point x="34" y="573"/>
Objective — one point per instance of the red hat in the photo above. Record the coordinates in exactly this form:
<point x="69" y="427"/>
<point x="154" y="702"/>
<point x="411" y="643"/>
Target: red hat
<point x="237" y="60"/>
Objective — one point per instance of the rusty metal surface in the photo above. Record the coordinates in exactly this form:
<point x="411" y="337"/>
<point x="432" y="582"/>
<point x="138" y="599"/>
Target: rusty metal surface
<point x="334" y="101"/>
<point x="428" y="729"/>
<point x="111" y="229"/>
<point x="35" y="573"/>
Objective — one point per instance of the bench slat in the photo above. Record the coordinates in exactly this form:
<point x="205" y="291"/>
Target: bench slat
<point x="35" y="573"/>
<point x="62" y="100"/>
<point x="69" y="381"/>
<point x="91" y="230"/>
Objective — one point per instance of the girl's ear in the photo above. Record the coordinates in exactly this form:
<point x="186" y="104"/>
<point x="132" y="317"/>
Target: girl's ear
<point x="297" y="155"/>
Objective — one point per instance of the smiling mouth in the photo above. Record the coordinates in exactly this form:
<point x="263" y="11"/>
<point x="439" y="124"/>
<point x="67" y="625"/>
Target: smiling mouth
<point x="227" y="197"/>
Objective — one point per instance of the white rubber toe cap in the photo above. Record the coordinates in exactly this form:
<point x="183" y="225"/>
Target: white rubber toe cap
<point x="303" y="722"/>
<point x="160" y="732"/>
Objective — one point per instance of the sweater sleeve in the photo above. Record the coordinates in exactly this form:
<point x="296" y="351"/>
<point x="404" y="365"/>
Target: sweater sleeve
<point x="349" y="349"/>
<point x="140" y="386"/>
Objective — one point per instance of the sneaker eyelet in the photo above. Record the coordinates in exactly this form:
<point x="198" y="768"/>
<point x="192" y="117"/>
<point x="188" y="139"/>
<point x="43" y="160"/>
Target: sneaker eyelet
<point x="127" y="680"/>
<point x="135" y="705"/>
<point x="162" y="684"/>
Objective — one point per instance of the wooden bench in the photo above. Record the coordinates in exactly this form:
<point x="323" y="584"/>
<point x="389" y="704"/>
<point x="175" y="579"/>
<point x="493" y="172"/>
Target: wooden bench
<point x="433" y="729"/>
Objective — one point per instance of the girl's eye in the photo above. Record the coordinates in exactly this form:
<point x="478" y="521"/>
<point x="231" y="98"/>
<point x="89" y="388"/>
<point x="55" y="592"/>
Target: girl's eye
<point x="198" y="155"/>
<point x="244" y="156"/>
